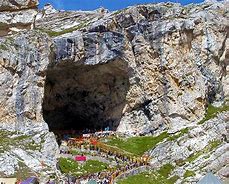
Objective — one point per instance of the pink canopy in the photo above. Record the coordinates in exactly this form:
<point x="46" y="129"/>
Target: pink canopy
<point x="80" y="158"/>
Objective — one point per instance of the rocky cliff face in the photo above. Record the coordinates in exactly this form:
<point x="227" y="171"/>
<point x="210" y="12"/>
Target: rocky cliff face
<point x="17" y="15"/>
<point x="141" y="70"/>
<point x="26" y="148"/>
<point x="197" y="150"/>
<point x="175" y="59"/>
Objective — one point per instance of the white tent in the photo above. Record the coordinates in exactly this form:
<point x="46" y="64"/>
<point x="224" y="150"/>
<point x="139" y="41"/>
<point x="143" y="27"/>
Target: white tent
<point x="209" y="179"/>
<point x="8" y="180"/>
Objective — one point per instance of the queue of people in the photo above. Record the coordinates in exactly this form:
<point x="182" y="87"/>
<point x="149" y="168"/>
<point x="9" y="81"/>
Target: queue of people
<point x="92" y="145"/>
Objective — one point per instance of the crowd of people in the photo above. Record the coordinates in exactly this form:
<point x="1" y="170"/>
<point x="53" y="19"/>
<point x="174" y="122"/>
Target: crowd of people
<point x="91" y="143"/>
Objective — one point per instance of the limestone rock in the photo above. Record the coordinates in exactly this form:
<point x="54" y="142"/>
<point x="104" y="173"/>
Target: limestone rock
<point x="143" y="70"/>
<point x="22" y="65"/>
<point x="173" y="61"/>
<point x="52" y="20"/>
<point x="14" y="22"/>
<point x="7" y="5"/>
<point x="33" y="151"/>
<point x="49" y="9"/>
<point x="8" y="163"/>
<point x="202" y="149"/>
<point x="17" y="15"/>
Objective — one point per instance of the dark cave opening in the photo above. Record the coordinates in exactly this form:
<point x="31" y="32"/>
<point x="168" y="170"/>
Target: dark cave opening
<point x="80" y="97"/>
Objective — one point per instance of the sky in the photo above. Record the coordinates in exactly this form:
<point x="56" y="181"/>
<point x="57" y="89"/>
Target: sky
<point x="108" y="4"/>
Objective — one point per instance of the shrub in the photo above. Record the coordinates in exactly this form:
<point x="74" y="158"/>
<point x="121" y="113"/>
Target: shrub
<point x="189" y="173"/>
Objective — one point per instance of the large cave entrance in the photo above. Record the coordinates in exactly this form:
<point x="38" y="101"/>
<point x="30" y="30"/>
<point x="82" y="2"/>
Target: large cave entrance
<point x="85" y="97"/>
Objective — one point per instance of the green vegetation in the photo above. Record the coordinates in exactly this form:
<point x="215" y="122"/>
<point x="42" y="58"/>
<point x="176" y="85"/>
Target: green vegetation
<point x="140" y="178"/>
<point x="6" y="43"/>
<point x="69" y="30"/>
<point x="180" y="162"/>
<point x="75" y="152"/>
<point x="174" y="179"/>
<point x="9" y="139"/>
<point x="78" y="152"/>
<point x="23" y="172"/>
<point x="149" y="178"/>
<point x="115" y="149"/>
<point x="189" y="173"/>
<point x="212" y="145"/>
<point x="70" y="166"/>
<point x="165" y="170"/>
<point x="180" y="134"/>
<point x="93" y="166"/>
<point x="3" y="46"/>
<point x="212" y="112"/>
<point x="137" y="145"/>
<point x="117" y="12"/>
<point x="120" y="11"/>
<point x="160" y="176"/>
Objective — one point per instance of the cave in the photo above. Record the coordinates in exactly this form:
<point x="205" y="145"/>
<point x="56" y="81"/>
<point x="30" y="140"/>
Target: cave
<point x="81" y="97"/>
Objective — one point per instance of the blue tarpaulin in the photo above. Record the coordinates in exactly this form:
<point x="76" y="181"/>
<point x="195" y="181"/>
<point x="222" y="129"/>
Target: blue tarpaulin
<point x="209" y="179"/>
<point x="31" y="180"/>
<point x="92" y="182"/>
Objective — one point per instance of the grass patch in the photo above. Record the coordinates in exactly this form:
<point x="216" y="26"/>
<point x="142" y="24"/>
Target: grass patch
<point x="210" y="147"/>
<point x="189" y="173"/>
<point x="93" y="166"/>
<point x="24" y="142"/>
<point x="214" y="144"/>
<point x="137" y="145"/>
<point x="212" y="112"/>
<point x="165" y="170"/>
<point x="114" y="149"/>
<point x="69" y="30"/>
<point x="139" y="178"/>
<point x="117" y="12"/>
<point x="75" y="152"/>
<point x="6" y="43"/>
<point x="69" y="166"/>
<point x="3" y="47"/>
<point x="23" y="172"/>
<point x="148" y="178"/>
<point x="174" y="179"/>
<point x="180" y="134"/>
<point x="193" y="157"/>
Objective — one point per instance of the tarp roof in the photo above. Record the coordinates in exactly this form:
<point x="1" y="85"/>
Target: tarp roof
<point x="31" y="180"/>
<point x="209" y="179"/>
<point x="92" y="182"/>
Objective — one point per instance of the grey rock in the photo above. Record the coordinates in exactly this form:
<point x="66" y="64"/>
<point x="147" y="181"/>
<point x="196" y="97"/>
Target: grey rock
<point x="143" y="70"/>
<point x="7" y="5"/>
